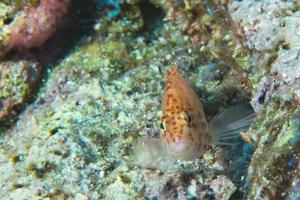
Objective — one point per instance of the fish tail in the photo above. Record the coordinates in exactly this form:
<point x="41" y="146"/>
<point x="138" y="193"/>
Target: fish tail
<point x="227" y="125"/>
<point x="150" y="153"/>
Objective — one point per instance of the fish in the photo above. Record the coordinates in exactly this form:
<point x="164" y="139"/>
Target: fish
<point x="184" y="126"/>
<point x="185" y="132"/>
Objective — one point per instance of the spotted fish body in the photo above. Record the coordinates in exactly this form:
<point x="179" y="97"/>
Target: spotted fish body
<point x="185" y="131"/>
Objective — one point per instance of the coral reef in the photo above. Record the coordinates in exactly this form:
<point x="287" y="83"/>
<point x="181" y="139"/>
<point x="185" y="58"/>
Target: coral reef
<point x="34" y="25"/>
<point x="74" y="140"/>
<point x="272" y="37"/>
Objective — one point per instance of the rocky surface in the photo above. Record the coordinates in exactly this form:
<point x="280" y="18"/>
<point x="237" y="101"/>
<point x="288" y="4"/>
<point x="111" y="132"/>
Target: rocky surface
<point x="17" y="82"/>
<point x="73" y="141"/>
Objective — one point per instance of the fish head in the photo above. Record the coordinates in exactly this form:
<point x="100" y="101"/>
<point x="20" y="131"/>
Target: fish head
<point x="184" y="126"/>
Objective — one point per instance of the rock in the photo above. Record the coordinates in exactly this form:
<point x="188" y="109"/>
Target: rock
<point x="17" y="85"/>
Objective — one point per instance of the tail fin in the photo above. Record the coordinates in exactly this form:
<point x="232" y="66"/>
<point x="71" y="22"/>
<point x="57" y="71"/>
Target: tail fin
<point x="150" y="153"/>
<point x="228" y="124"/>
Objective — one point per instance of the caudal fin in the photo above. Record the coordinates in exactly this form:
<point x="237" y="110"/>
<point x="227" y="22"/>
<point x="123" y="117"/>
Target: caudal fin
<point x="227" y="125"/>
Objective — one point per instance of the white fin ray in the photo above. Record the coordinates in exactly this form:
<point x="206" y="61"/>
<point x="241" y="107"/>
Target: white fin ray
<point x="228" y="124"/>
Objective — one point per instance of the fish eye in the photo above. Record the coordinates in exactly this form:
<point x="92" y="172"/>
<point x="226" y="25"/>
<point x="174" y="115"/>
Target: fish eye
<point x="188" y="117"/>
<point x="162" y="126"/>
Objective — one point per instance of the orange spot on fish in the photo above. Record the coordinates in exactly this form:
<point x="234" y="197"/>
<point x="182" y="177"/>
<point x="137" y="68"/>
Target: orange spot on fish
<point x="181" y="133"/>
<point x="168" y="110"/>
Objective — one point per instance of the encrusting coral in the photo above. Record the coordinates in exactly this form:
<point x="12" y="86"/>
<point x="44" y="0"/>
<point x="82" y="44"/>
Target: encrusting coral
<point x="34" y="24"/>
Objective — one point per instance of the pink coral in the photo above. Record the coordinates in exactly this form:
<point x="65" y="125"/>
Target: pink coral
<point x="36" y="24"/>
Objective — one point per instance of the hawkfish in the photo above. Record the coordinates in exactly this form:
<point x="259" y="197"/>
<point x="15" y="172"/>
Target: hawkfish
<point x="185" y="132"/>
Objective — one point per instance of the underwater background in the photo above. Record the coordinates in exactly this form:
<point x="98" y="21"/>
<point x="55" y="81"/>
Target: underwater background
<point x="81" y="81"/>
